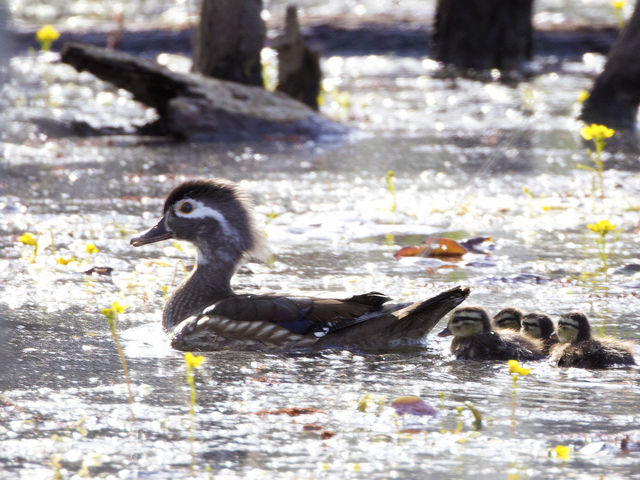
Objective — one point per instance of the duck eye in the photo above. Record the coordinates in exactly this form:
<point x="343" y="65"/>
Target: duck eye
<point x="185" y="207"/>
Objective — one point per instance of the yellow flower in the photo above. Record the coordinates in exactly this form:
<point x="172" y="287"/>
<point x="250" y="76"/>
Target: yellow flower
<point x="514" y="367"/>
<point x="582" y="96"/>
<point x="28" y="239"/>
<point x="65" y="261"/>
<point x="618" y="4"/>
<point x="603" y="227"/>
<point x="562" y="452"/>
<point x="118" y="307"/>
<point x="46" y="36"/>
<point x="596" y="132"/>
<point x="192" y="360"/>
<point x="91" y="248"/>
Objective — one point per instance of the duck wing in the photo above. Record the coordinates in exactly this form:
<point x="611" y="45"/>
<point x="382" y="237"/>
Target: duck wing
<point x="274" y="320"/>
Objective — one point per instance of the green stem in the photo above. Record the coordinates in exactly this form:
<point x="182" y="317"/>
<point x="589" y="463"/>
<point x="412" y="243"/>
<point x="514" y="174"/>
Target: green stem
<point x="113" y="321"/>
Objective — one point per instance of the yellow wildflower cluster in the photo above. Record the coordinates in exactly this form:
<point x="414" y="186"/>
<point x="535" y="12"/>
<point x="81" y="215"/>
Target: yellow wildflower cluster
<point x="193" y="361"/>
<point x="596" y="132"/>
<point x="602" y="227"/>
<point x="46" y="36"/>
<point x="515" y="368"/>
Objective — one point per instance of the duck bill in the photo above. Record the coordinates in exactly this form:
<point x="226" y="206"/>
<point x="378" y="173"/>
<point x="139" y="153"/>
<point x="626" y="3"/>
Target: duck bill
<point x="154" y="234"/>
<point x="445" y="332"/>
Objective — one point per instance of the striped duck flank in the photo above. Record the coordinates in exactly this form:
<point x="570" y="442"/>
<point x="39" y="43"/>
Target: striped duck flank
<point x="204" y="313"/>
<point x="577" y="347"/>
<point x="539" y="326"/>
<point x="474" y="339"/>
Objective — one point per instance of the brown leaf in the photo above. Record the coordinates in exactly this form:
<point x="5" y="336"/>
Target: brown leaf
<point x="292" y="411"/>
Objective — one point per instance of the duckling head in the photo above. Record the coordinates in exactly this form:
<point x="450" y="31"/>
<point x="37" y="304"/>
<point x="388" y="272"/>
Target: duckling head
<point x="211" y="214"/>
<point x="509" y="318"/>
<point x="537" y="325"/>
<point x="573" y="327"/>
<point x="466" y="322"/>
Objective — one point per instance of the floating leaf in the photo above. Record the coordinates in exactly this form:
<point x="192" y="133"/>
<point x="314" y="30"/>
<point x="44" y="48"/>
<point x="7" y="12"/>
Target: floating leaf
<point x="292" y="411"/>
<point x="412" y="405"/>
<point x="433" y="247"/>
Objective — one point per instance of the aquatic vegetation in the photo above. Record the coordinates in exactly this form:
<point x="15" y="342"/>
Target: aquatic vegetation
<point x="583" y="95"/>
<point x="516" y="372"/>
<point x="91" y="248"/>
<point x="597" y="133"/>
<point x="29" y="239"/>
<point x="562" y="452"/>
<point x="111" y="314"/>
<point x="390" y="181"/>
<point x="618" y="7"/>
<point x="192" y="362"/>
<point x="602" y="228"/>
<point x="45" y="36"/>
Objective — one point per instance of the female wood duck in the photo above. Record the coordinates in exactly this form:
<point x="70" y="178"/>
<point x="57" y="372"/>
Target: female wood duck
<point x="203" y="313"/>
<point x="473" y="338"/>
<point x="509" y="318"/>
<point x="578" y="348"/>
<point x="540" y="326"/>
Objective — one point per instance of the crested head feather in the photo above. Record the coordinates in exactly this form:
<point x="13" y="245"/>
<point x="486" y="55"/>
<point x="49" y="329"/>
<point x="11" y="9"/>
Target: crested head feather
<point x="232" y="203"/>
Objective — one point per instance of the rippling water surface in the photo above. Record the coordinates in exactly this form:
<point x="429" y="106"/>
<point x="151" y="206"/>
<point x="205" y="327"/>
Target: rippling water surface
<point x="470" y="159"/>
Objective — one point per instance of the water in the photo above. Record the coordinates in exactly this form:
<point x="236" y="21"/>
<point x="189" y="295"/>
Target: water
<point x="461" y="153"/>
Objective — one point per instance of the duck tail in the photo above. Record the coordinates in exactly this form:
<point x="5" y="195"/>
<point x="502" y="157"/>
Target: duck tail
<point x="407" y="325"/>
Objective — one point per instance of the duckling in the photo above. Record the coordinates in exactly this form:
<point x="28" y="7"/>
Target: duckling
<point x="474" y="340"/>
<point x="204" y="313"/>
<point x="540" y="326"/>
<point x="509" y="318"/>
<point x="578" y="348"/>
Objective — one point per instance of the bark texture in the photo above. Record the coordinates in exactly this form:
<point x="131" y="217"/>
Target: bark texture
<point x="299" y="74"/>
<point x="483" y="34"/>
<point x="229" y="40"/>
<point x="615" y="95"/>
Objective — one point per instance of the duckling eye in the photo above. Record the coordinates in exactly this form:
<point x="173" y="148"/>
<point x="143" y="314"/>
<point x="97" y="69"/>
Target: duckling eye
<point x="185" y="207"/>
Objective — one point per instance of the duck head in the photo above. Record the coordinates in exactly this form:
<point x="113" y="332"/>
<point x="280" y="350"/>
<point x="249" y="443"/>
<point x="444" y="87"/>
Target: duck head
<point x="509" y="318"/>
<point x="537" y="325"/>
<point x="214" y="216"/>
<point x="573" y="327"/>
<point x="466" y="322"/>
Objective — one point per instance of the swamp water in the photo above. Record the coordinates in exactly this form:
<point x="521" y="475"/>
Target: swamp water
<point x="469" y="159"/>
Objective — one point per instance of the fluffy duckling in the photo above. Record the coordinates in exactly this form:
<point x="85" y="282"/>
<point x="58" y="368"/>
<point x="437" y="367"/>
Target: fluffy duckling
<point x="473" y="338"/>
<point x="578" y="348"/>
<point x="540" y="326"/>
<point x="509" y="318"/>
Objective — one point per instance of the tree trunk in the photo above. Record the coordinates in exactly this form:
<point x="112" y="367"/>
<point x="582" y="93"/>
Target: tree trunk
<point x="483" y="34"/>
<point x="299" y="72"/>
<point x="229" y="40"/>
<point x="615" y="94"/>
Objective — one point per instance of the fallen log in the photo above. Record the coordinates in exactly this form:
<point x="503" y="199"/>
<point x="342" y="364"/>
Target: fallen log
<point x="192" y="106"/>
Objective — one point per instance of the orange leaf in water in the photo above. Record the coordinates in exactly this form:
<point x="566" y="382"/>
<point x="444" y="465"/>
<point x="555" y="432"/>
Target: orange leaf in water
<point x="439" y="246"/>
<point x="410" y="252"/>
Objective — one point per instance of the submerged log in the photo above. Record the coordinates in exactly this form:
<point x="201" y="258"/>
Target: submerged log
<point x="192" y="106"/>
<point x="483" y="34"/>
<point x="299" y="74"/>
<point x="615" y="96"/>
